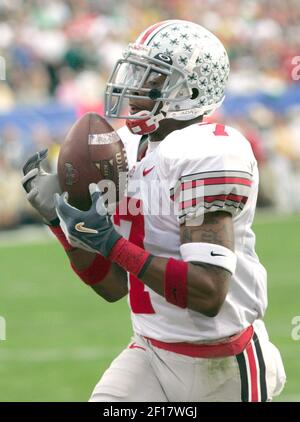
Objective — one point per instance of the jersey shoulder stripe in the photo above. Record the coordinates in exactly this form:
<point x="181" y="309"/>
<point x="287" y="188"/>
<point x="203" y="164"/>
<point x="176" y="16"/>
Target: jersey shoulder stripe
<point x="222" y="180"/>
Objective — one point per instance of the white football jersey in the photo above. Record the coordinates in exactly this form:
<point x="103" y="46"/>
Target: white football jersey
<point x="201" y="168"/>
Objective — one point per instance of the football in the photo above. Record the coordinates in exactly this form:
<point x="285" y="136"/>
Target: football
<point x="92" y="152"/>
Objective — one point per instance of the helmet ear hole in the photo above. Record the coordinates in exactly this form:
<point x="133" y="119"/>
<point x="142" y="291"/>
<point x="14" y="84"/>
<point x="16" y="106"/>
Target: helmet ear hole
<point x="195" y="93"/>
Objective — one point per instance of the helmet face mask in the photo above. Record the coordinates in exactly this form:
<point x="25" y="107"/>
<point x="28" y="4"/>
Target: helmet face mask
<point x="179" y="67"/>
<point x="143" y="78"/>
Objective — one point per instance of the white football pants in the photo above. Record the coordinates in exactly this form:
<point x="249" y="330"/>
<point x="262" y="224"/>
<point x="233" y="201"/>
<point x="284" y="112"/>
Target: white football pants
<point x="143" y="373"/>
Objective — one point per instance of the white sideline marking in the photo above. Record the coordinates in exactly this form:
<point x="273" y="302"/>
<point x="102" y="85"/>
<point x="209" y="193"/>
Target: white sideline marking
<point x="25" y="235"/>
<point x="41" y="234"/>
<point x="56" y="355"/>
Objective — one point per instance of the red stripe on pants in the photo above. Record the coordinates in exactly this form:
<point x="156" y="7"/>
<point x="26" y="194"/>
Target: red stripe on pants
<point x="253" y="372"/>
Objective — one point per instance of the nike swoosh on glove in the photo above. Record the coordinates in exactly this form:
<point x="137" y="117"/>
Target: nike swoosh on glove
<point x="90" y="230"/>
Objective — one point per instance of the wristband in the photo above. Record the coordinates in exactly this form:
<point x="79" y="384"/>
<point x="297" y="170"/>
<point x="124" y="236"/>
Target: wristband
<point x="176" y="282"/>
<point x="59" y="234"/>
<point x="136" y="260"/>
<point x="130" y="257"/>
<point x="96" y="272"/>
<point x="209" y="253"/>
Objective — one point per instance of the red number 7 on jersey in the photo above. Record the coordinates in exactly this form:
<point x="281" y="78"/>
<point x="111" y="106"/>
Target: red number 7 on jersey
<point x="140" y="302"/>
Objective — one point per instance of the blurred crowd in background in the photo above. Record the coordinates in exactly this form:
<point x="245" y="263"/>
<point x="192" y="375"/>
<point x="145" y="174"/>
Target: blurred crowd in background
<point x="59" y="53"/>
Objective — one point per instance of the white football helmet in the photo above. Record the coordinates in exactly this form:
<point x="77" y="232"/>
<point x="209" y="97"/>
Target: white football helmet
<point x="182" y="67"/>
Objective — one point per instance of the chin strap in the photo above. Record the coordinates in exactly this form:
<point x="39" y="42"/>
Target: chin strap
<point x="145" y="123"/>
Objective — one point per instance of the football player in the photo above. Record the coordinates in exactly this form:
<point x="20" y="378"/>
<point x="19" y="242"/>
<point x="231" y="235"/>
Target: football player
<point x="183" y="251"/>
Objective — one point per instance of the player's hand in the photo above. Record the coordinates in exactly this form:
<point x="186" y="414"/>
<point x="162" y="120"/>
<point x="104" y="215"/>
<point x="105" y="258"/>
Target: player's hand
<point x="91" y="230"/>
<point x="40" y="187"/>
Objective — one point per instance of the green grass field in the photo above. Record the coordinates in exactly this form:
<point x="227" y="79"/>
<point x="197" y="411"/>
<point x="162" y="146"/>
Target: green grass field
<point x="61" y="336"/>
